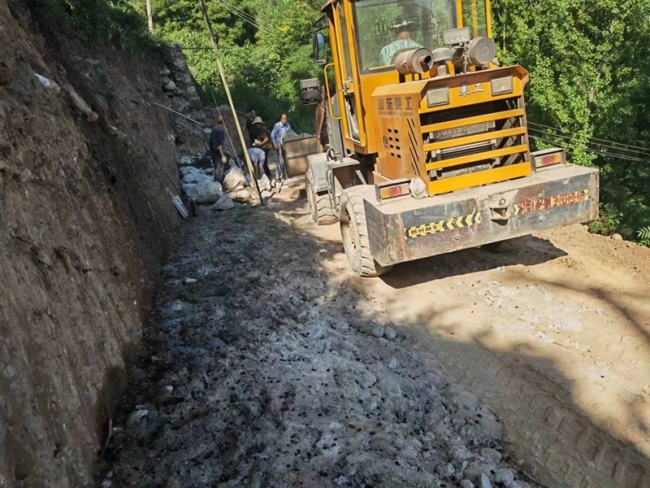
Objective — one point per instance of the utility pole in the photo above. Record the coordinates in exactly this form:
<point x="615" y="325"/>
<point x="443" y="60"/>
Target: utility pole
<point x="232" y="104"/>
<point x="149" y="15"/>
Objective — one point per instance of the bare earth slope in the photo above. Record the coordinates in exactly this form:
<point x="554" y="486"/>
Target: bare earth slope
<point x="85" y="216"/>
<point x="266" y="372"/>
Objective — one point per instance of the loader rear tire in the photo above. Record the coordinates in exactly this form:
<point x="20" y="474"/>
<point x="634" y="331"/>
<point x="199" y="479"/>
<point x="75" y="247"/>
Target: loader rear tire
<point x="509" y="245"/>
<point x="354" y="231"/>
<point x="320" y="206"/>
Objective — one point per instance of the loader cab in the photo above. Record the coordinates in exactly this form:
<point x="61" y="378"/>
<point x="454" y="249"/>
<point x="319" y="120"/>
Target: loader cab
<point x="365" y="36"/>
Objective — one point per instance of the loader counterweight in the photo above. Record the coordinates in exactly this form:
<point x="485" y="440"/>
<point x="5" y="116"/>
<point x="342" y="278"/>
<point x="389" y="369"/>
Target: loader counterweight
<point x="407" y="229"/>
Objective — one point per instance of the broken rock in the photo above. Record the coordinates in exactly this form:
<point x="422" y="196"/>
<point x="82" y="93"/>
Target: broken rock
<point x="491" y="455"/>
<point x="224" y="203"/>
<point x="378" y="331"/>
<point x="234" y="179"/>
<point x="390" y="334"/>
<point x="484" y="482"/>
<point x="446" y="471"/>
<point x="504" y="476"/>
<point x="263" y="183"/>
<point x="243" y="195"/>
<point x="205" y="191"/>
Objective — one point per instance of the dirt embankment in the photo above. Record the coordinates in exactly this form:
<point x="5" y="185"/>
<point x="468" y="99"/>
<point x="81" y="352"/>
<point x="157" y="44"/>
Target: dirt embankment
<point x="85" y="215"/>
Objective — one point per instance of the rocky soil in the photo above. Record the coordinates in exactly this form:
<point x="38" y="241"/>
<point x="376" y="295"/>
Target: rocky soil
<point x="87" y="173"/>
<point x="258" y="370"/>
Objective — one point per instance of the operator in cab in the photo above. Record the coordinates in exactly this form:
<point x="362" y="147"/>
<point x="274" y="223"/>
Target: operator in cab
<point x="402" y="30"/>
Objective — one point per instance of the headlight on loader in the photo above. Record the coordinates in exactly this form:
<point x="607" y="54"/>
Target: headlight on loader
<point x="437" y="97"/>
<point x="502" y="86"/>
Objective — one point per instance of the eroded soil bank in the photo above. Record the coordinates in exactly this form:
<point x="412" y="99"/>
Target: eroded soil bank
<point x="85" y="221"/>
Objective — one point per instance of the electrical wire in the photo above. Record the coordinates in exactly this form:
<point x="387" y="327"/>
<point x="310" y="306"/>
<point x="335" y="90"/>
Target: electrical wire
<point x="244" y="16"/>
<point x="594" y="151"/>
<point x="599" y="153"/>
<point x="605" y="141"/>
<point x="595" y="145"/>
<point x="240" y="10"/>
<point x="594" y="141"/>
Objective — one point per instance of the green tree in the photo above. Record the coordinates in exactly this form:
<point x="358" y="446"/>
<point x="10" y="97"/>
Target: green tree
<point x="589" y="70"/>
<point x="265" y="45"/>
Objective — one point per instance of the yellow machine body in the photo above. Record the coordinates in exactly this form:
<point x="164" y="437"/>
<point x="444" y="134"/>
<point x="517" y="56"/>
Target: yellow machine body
<point x="428" y="149"/>
<point x="386" y="115"/>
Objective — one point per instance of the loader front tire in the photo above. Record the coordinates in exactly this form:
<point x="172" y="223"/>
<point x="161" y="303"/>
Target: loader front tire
<point x="354" y="231"/>
<point x="320" y="206"/>
<point x="509" y="245"/>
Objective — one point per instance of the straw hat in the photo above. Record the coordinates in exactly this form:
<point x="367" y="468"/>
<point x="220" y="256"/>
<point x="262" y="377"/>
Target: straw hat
<point x="258" y="120"/>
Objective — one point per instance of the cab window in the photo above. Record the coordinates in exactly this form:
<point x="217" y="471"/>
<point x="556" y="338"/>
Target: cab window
<point x="385" y="28"/>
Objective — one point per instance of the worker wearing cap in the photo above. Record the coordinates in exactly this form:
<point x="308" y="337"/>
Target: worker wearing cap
<point x="257" y="133"/>
<point x="403" y="41"/>
<point x="261" y="139"/>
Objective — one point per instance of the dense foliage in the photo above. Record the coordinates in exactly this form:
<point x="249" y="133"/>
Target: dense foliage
<point x="589" y="63"/>
<point x="590" y="80"/>
<point x="265" y="46"/>
<point x="100" y="22"/>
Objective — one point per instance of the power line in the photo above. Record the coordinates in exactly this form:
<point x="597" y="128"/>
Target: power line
<point x="599" y="153"/>
<point x="230" y="9"/>
<point x="597" y="145"/>
<point x="613" y="143"/>
<point x="233" y="8"/>
<point x="244" y="16"/>
<point x="241" y="11"/>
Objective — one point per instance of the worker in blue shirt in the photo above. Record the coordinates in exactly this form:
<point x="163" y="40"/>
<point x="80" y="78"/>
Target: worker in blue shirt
<point x="277" y="135"/>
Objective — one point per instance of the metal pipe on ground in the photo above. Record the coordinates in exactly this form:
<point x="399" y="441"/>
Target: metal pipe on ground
<point x="178" y="113"/>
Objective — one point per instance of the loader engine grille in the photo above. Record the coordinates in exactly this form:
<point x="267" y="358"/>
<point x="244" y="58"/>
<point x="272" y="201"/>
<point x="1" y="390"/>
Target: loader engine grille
<point x="455" y="140"/>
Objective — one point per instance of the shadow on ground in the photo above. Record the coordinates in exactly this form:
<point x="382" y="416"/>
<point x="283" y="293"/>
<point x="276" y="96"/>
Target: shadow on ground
<point x="263" y="276"/>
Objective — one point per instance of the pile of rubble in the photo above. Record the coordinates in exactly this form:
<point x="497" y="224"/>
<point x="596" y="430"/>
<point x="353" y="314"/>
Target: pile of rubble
<point x="192" y="126"/>
<point x="202" y="186"/>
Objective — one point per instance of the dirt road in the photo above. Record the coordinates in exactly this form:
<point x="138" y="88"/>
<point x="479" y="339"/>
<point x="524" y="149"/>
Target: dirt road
<point x="265" y="372"/>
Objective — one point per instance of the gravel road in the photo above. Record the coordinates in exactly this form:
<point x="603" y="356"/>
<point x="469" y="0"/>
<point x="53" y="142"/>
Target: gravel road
<point x="268" y="363"/>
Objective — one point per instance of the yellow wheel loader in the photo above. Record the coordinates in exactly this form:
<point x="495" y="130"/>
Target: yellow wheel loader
<point x="428" y="148"/>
